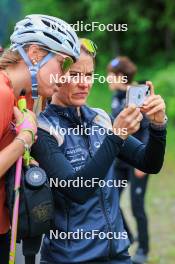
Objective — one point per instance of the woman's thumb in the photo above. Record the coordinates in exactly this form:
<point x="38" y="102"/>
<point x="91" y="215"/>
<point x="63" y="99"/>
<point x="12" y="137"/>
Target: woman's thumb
<point x="18" y="115"/>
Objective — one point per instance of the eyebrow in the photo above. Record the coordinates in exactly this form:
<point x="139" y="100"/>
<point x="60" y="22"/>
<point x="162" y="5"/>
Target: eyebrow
<point x="80" y="72"/>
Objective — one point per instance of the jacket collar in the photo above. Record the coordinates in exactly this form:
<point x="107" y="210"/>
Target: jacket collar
<point x="87" y="114"/>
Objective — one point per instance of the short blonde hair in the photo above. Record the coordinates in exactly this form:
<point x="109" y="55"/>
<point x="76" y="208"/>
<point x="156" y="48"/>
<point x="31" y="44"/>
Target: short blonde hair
<point x="9" y="58"/>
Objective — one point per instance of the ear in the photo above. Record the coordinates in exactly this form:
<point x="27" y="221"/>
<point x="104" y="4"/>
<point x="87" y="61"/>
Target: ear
<point x="36" y="53"/>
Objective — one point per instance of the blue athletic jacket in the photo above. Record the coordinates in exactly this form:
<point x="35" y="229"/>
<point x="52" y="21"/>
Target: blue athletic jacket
<point x="69" y="156"/>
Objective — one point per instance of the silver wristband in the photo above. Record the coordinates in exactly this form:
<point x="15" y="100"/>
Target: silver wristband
<point x="26" y="146"/>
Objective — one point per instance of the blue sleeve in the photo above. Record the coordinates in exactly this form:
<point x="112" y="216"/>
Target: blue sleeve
<point x="145" y="157"/>
<point x="47" y="152"/>
<point x="143" y="132"/>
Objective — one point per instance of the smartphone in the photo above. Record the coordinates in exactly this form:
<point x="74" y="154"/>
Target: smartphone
<point x="136" y="94"/>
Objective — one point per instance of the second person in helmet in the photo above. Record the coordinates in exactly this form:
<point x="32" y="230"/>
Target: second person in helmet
<point x="38" y="48"/>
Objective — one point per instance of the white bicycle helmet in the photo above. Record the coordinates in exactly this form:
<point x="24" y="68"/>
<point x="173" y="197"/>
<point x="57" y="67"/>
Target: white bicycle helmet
<point x="52" y="33"/>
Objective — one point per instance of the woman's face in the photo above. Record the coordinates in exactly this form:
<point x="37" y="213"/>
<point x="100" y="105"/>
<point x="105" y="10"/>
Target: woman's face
<point x="46" y="85"/>
<point x="76" y="90"/>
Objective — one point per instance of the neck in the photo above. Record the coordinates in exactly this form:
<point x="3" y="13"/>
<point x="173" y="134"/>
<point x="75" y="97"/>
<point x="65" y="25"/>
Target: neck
<point x="19" y="78"/>
<point x="56" y="100"/>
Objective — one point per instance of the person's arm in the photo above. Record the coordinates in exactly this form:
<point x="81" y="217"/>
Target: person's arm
<point x="47" y="152"/>
<point x="27" y="129"/>
<point x="147" y="158"/>
<point x="12" y="152"/>
<point x="143" y="133"/>
<point x="143" y="136"/>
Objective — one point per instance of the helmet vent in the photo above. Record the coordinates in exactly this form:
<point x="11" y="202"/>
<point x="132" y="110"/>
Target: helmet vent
<point x="70" y="34"/>
<point x="28" y="24"/>
<point x="70" y="43"/>
<point x="52" y="37"/>
<point x="59" y="30"/>
<point x="26" y="32"/>
<point x="46" y="23"/>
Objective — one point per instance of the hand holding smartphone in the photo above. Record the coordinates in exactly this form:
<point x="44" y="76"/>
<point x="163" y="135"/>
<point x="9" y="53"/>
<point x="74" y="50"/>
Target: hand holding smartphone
<point x="137" y="94"/>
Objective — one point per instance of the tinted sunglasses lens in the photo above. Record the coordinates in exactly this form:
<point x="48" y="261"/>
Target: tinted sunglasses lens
<point x="90" y="46"/>
<point x="67" y="63"/>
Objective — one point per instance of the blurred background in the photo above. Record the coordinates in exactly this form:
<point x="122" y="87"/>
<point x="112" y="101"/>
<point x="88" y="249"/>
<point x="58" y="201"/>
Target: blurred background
<point x="150" y="43"/>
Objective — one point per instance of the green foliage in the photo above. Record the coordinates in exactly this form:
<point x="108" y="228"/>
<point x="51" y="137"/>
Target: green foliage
<point x="149" y="40"/>
<point x="165" y="82"/>
<point x="151" y="26"/>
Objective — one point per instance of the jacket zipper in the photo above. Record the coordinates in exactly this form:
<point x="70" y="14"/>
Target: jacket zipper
<point x="67" y="224"/>
<point x="86" y="140"/>
<point x="107" y="221"/>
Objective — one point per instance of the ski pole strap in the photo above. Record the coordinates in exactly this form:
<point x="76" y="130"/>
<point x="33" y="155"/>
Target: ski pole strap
<point x="30" y="247"/>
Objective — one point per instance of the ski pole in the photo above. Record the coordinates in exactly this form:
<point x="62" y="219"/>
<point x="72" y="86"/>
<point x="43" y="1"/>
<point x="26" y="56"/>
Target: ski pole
<point x="22" y="106"/>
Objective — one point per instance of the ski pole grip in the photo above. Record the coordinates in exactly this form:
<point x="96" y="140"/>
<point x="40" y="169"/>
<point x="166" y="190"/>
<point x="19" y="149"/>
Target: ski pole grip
<point x="22" y="104"/>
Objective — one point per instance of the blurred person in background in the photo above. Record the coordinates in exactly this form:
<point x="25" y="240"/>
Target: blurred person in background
<point x="89" y="155"/>
<point x="122" y="71"/>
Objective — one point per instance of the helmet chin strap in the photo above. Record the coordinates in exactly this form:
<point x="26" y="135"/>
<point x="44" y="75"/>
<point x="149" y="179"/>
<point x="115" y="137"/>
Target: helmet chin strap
<point x="34" y="68"/>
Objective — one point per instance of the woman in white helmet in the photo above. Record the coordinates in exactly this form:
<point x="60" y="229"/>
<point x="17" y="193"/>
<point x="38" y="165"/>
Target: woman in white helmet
<point x="40" y="45"/>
